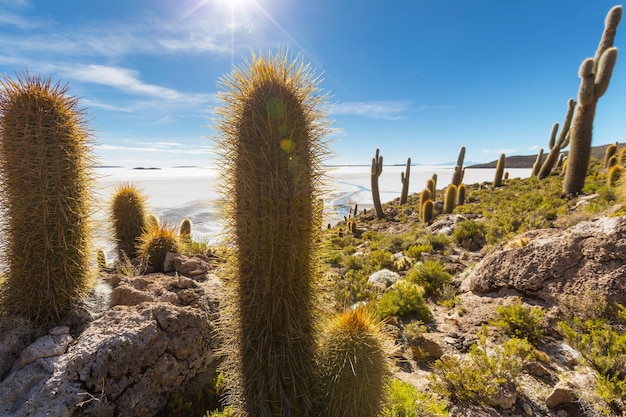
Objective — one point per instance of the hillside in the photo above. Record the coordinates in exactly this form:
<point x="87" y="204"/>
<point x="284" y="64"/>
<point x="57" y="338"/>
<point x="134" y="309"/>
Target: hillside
<point x="527" y="161"/>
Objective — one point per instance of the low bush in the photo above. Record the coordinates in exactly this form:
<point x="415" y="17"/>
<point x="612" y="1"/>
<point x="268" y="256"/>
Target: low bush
<point x="402" y="299"/>
<point x="430" y="275"/>
<point x="518" y="320"/>
<point x="406" y="401"/>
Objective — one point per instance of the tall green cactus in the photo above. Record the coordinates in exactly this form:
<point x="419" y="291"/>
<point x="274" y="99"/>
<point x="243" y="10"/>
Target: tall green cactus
<point x="404" y="177"/>
<point x="555" y="144"/>
<point x="497" y="179"/>
<point x="271" y="129"/>
<point x="377" y="169"/>
<point x="595" y="74"/>
<point x="45" y="159"/>
<point x="459" y="171"/>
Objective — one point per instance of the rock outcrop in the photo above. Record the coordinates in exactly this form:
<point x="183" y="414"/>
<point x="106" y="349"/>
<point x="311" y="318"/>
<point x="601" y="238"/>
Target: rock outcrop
<point x="550" y="263"/>
<point x="155" y="340"/>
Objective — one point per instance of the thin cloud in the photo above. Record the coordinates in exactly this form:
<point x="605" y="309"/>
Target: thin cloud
<point x="161" y="147"/>
<point x="386" y="110"/>
<point x="435" y="107"/>
<point x="533" y="148"/>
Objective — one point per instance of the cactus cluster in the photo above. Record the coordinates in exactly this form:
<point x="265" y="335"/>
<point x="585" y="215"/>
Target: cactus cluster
<point x="595" y="74"/>
<point x="45" y="159"/>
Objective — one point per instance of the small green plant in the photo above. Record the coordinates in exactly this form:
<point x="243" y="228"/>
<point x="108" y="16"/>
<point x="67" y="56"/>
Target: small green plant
<point x="438" y="241"/>
<point x="128" y="216"/>
<point x="520" y="321"/>
<point x="352" y="288"/>
<point x="415" y="251"/>
<point x="402" y="299"/>
<point x="480" y="375"/>
<point x="430" y="275"/>
<point x="404" y="400"/>
<point x="381" y="259"/>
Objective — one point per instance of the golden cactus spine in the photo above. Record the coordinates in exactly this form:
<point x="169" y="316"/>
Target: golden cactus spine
<point x="353" y="366"/>
<point x="595" y="74"/>
<point x="555" y="144"/>
<point x="377" y="169"/>
<point x="404" y="177"/>
<point x="271" y="129"/>
<point x="128" y="216"/>
<point x="45" y="159"/>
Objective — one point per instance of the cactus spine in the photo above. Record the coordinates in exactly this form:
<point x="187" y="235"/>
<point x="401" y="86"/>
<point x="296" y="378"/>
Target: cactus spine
<point x="45" y="155"/>
<point x="377" y="169"/>
<point x="353" y="366"/>
<point x="271" y="129"/>
<point x="154" y="244"/>
<point x="497" y="180"/>
<point x="128" y="216"/>
<point x="558" y="144"/>
<point x="459" y="171"/>
<point x="449" y="199"/>
<point x="595" y="74"/>
<point x="404" y="177"/>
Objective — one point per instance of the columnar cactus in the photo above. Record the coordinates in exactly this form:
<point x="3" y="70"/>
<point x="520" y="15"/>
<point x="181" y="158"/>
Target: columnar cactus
<point x="45" y="159"/>
<point x="185" y="230"/>
<point x="555" y="144"/>
<point x="377" y="169"/>
<point x="404" y="177"/>
<point x="128" y="216"/>
<point x="461" y="194"/>
<point x="457" y="176"/>
<point x="537" y="164"/>
<point x="353" y="366"/>
<point x="595" y="74"/>
<point x="497" y="180"/>
<point x="449" y="199"/>
<point x="431" y="186"/>
<point x="428" y="209"/>
<point x="271" y="128"/>
<point x="621" y="157"/>
<point x="609" y="152"/>
<point x="614" y="174"/>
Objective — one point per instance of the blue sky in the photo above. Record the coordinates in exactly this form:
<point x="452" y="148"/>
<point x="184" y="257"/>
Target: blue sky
<point x="416" y="78"/>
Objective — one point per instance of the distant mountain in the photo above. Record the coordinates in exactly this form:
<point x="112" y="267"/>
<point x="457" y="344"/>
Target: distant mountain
<point x="527" y="161"/>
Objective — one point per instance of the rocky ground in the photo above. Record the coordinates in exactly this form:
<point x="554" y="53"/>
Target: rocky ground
<point x="152" y="336"/>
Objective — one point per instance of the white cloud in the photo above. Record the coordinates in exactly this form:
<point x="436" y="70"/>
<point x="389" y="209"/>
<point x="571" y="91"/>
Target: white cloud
<point x="435" y="107"/>
<point x="533" y="148"/>
<point x="160" y="147"/>
<point x="387" y="110"/>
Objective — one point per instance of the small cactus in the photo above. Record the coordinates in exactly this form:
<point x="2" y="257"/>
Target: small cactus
<point x="497" y="180"/>
<point x="428" y="211"/>
<point x="185" y="230"/>
<point x="461" y="194"/>
<point x="404" y="177"/>
<point x="155" y="243"/>
<point x="353" y="366"/>
<point x="614" y="174"/>
<point x="595" y="74"/>
<point x="377" y="169"/>
<point x="609" y="153"/>
<point x="449" y="199"/>
<point x="128" y="215"/>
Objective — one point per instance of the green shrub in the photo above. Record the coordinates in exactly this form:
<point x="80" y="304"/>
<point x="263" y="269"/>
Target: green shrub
<point x="468" y="230"/>
<point x="438" y="241"/>
<point x="520" y="321"/>
<point x="381" y="259"/>
<point x="354" y="263"/>
<point x="477" y="377"/>
<point x="402" y="299"/>
<point x="352" y="288"/>
<point x="430" y="275"/>
<point x="603" y="346"/>
<point x="415" y="251"/>
<point x="406" y="401"/>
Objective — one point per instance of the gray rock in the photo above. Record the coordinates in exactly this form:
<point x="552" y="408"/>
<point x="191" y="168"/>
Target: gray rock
<point x="505" y="398"/>
<point x="127" y="362"/>
<point x="586" y="257"/>
<point x="562" y="393"/>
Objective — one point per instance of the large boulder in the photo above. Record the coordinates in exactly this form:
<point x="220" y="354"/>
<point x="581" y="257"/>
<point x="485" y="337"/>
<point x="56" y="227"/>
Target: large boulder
<point x="155" y="341"/>
<point x="550" y="263"/>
